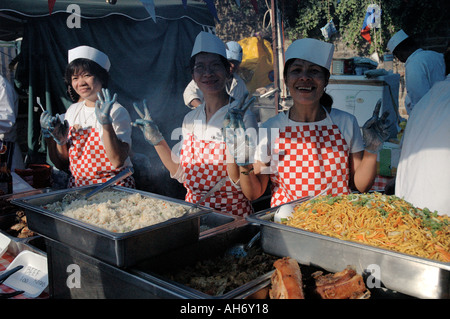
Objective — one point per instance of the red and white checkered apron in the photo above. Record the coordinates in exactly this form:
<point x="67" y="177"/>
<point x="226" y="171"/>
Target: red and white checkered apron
<point x="204" y="164"/>
<point x="306" y="159"/>
<point x="88" y="161"/>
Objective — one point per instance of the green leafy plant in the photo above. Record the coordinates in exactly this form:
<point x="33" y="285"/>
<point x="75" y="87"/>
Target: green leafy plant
<point x="414" y="16"/>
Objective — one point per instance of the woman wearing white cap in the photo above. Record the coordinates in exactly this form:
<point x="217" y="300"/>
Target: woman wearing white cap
<point x="93" y="137"/>
<point x="312" y="148"/>
<point x="200" y="161"/>
<point x="236" y="87"/>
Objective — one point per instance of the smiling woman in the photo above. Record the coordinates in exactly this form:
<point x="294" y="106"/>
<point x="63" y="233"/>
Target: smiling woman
<point x="306" y="82"/>
<point x="84" y="79"/>
<point x="93" y="137"/>
<point x="202" y="161"/>
<point x="211" y="72"/>
<point x="311" y="148"/>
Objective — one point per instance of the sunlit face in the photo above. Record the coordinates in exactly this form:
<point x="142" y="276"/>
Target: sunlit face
<point x="209" y="73"/>
<point x="234" y="65"/>
<point x="86" y="85"/>
<point x="306" y="82"/>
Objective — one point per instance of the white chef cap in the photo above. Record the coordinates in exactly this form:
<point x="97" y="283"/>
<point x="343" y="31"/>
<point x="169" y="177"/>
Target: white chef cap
<point x="234" y="51"/>
<point x="396" y="39"/>
<point x="311" y="50"/>
<point x="209" y="43"/>
<point x="86" y="52"/>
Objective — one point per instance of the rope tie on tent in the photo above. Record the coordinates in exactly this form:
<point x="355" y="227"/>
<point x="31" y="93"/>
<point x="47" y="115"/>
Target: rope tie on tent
<point x="268" y="11"/>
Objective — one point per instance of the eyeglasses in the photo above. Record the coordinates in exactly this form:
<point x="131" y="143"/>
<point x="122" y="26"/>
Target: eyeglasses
<point x="213" y="68"/>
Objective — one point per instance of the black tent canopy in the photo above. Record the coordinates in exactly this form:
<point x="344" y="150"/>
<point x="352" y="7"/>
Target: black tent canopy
<point x="148" y="61"/>
<point x="14" y="13"/>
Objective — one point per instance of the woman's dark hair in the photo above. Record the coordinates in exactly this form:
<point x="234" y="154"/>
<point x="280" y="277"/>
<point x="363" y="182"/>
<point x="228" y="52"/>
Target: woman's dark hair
<point x="225" y="62"/>
<point x="326" y="100"/>
<point x="84" y="65"/>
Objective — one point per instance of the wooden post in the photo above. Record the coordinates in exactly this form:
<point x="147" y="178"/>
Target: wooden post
<point x="275" y="54"/>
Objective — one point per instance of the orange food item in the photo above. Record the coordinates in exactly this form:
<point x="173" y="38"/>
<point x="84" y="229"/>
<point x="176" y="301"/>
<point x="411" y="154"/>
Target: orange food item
<point x="346" y="284"/>
<point x="286" y="280"/>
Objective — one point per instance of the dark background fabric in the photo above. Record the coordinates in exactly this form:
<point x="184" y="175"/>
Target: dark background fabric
<point x="134" y="9"/>
<point x="148" y="61"/>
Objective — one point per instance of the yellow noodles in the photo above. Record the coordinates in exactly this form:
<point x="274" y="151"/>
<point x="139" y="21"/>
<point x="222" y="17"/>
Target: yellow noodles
<point x="378" y="220"/>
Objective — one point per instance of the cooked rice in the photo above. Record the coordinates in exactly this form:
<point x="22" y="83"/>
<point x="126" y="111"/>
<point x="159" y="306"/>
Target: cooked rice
<point x="118" y="211"/>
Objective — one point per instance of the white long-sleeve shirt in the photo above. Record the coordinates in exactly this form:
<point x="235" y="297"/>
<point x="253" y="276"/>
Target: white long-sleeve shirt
<point x="423" y="173"/>
<point x="236" y="88"/>
<point x="423" y="68"/>
<point x="9" y="109"/>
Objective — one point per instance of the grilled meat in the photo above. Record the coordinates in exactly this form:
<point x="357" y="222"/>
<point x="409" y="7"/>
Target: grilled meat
<point x="286" y="280"/>
<point x="346" y="284"/>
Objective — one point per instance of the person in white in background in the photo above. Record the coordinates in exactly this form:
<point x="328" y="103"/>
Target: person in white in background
<point x="8" y="116"/>
<point x="193" y="96"/>
<point x="423" y="173"/>
<point x="93" y="137"/>
<point x="423" y="68"/>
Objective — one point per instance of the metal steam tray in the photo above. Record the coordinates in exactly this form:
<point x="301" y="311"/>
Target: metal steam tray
<point x="119" y="249"/>
<point x="413" y="276"/>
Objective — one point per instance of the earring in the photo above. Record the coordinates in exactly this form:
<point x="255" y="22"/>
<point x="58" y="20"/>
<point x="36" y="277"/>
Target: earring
<point x="72" y="94"/>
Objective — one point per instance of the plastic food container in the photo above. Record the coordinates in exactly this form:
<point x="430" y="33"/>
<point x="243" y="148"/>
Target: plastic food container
<point x="32" y="278"/>
<point x="4" y="243"/>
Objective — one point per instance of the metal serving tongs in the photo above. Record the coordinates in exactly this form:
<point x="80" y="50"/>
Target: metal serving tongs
<point x="215" y="188"/>
<point x="5" y="276"/>
<point x="240" y="250"/>
<point x="122" y="175"/>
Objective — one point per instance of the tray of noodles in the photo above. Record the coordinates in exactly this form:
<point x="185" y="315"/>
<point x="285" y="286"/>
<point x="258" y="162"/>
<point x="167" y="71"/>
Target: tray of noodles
<point x="120" y="226"/>
<point x="396" y="245"/>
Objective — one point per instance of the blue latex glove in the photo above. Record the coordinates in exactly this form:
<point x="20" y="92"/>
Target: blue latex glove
<point x="240" y="145"/>
<point x="103" y="107"/>
<point x="45" y="133"/>
<point x="147" y="126"/>
<point x="376" y="130"/>
<point x="45" y="122"/>
<point x="52" y="126"/>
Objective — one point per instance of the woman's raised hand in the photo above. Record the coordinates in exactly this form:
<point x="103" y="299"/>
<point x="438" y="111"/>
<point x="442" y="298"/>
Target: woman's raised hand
<point x="52" y="126"/>
<point x="240" y="144"/>
<point x="147" y="126"/>
<point x="103" y="107"/>
<point x="376" y="130"/>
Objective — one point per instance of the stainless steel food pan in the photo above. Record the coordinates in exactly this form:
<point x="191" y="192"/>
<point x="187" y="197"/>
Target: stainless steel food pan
<point x="139" y="281"/>
<point x="120" y="249"/>
<point x="153" y="270"/>
<point x="216" y="222"/>
<point x="413" y="276"/>
<point x="18" y="244"/>
<point x="8" y="219"/>
<point x="179" y="291"/>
